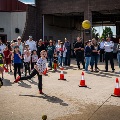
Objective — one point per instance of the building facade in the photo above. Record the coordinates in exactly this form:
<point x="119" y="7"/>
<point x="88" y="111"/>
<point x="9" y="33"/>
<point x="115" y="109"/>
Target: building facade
<point x="12" y="19"/>
<point x="57" y="19"/>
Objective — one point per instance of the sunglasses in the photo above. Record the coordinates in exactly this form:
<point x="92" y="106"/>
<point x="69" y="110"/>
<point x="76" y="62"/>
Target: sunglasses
<point x="19" y="39"/>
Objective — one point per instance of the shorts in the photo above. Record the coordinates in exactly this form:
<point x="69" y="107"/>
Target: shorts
<point x="8" y="61"/>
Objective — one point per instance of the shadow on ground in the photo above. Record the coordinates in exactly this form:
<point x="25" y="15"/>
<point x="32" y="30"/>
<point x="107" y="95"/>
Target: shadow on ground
<point x="22" y="84"/>
<point x="7" y="82"/>
<point x="33" y="82"/>
<point x="105" y="74"/>
<point x="52" y="99"/>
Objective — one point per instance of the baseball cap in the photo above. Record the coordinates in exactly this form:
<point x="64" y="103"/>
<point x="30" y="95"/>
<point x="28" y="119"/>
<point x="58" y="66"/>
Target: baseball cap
<point x="19" y="38"/>
<point x="30" y="36"/>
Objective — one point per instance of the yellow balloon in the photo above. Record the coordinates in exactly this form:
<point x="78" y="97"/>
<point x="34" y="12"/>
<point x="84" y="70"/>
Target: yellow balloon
<point x="86" y="24"/>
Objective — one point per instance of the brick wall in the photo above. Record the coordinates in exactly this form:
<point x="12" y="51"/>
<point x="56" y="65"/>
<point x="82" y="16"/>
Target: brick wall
<point x="34" y="21"/>
<point x="30" y="25"/>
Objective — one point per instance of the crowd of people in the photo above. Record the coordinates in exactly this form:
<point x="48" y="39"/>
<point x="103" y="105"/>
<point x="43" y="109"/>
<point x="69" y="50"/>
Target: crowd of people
<point x="25" y="55"/>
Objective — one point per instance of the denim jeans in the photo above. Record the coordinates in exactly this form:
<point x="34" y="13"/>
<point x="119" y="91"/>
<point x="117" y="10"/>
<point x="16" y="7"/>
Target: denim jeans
<point x="59" y="59"/>
<point x="118" y="55"/>
<point x="94" y="59"/>
<point x="87" y="62"/>
<point x="62" y="60"/>
<point x="50" y="59"/>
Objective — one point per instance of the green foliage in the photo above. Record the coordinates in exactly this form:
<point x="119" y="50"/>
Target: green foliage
<point x="107" y="32"/>
<point x="95" y="34"/>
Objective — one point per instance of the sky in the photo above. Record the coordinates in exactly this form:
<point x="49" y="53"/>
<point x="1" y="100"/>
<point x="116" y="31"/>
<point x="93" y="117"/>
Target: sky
<point x="28" y="1"/>
<point x="100" y="29"/>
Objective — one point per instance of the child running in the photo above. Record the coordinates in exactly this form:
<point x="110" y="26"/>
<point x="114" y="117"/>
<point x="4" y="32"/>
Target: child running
<point x="39" y="68"/>
<point x="27" y="58"/>
<point x="16" y="57"/>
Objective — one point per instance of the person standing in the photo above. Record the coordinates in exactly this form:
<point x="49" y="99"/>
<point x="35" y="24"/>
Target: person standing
<point x="108" y="45"/>
<point x="88" y="52"/>
<point x="7" y="57"/>
<point x="68" y="53"/>
<point x="31" y="43"/>
<point x="79" y="50"/>
<point x="57" y="47"/>
<point x="27" y="58"/>
<point x="102" y="50"/>
<point x="95" y="55"/>
<point x="2" y="46"/>
<point x="50" y="51"/>
<point x="21" y="47"/>
<point x="62" y="54"/>
<point x="118" y="53"/>
<point x="40" y="47"/>
<point x="16" y="57"/>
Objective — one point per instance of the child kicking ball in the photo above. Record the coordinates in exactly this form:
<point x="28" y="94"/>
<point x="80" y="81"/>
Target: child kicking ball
<point x="39" y="68"/>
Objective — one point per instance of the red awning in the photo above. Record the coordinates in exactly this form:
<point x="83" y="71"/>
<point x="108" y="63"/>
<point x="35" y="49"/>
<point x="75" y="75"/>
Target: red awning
<point x="12" y="6"/>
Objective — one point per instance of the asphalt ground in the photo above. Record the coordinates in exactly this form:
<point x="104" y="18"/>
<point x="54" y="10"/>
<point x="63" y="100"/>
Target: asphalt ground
<point x="62" y="100"/>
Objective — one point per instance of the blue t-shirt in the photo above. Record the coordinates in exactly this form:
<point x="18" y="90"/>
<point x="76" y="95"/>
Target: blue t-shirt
<point x="17" y="59"/>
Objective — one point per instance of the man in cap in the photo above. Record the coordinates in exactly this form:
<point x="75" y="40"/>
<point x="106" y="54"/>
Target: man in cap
<point x="31" y="43"/>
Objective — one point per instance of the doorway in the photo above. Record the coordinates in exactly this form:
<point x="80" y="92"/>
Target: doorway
<point x="3" y="38"/>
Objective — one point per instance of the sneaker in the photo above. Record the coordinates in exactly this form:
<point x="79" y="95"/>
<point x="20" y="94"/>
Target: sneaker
<point x="40" y="91"/>
<point x="106" y="70"/>
<point x="87" y="71"/>
<point x="17" y="79"/>
<point x="113" y="71"/>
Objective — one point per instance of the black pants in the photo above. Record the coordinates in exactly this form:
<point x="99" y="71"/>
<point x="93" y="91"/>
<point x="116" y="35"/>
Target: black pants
<point x="27" y="67"/>
<point x="102" y="55"/>
<point x="109" y="56"/>
<point x="1" y="82"/>
<point x="34" y="72"/>
<point x="67" y="58"/>
<point x="80" y="59"/>
<point x="32" y="65"/>
<point x="17" y="67"/>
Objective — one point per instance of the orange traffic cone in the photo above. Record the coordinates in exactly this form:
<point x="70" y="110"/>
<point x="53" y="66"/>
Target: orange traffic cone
<point x="82" y="81"/>
<point x="62" y="74"/>
<point x="45" y="71"/>
<point x="117" y="89"/>
<point x="6" y="70"/>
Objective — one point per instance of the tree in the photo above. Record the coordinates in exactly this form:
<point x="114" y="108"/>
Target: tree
<point x="107" y="32"/>
<point x="95" y="34"/>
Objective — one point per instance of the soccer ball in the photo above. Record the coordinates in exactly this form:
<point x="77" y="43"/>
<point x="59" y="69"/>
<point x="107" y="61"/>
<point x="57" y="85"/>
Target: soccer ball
<point x="86" y="24"/>
<point x="44" y="117"/>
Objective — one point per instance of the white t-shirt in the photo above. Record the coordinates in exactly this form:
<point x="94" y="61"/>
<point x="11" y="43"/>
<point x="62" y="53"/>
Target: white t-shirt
<point x="2" y="47"/>
<point x="34" y="58"/>
<point x="102" y="44"/>
<point x="109" y="46"/>
<point x="41" y="64"/>
<point x="27" y="58"/>
<point x="32" y="45"/>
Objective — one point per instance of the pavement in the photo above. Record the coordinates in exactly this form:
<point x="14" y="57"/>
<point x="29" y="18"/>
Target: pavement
<point x="62" y="100"/>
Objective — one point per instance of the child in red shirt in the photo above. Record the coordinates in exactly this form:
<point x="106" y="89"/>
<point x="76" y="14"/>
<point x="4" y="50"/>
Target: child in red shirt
<point x="7" y="57"/>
